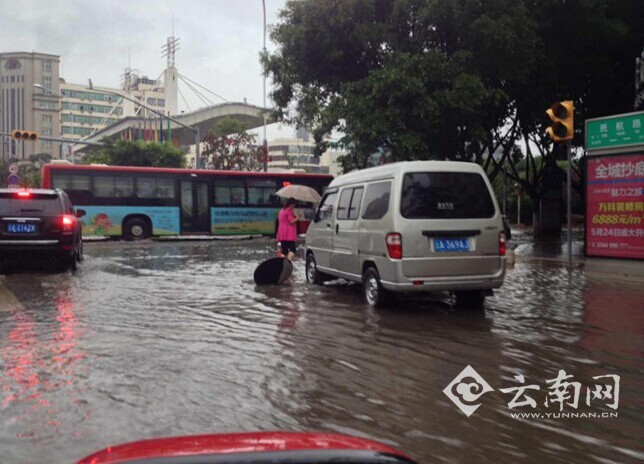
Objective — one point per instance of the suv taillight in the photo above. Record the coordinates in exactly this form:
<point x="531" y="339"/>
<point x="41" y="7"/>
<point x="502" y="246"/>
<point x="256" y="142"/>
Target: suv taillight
<point x="502" y="243"/>
<point x="394" y="245"/>
<point x="67" y="222"/>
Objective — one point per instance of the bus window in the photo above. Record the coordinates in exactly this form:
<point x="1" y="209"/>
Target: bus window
<point x="261" y="192"/>
<point x="165" y="188"/>
<point x="109" y="186"/>
<point x="151" y="187"/>
<point x="71" y="181"/>
<point x="229" y="192"/>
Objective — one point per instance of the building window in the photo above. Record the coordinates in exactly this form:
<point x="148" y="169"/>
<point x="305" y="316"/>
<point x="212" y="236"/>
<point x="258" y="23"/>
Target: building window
<point x="46" y="119"/>
<point x="46" y="83"/>
<point x="46" y="65"/>
<point x="46" y="131"/>
<point x="46" y="143"/>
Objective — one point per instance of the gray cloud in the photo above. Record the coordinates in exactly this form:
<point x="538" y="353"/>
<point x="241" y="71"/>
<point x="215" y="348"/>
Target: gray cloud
<point x="220" y="39"/>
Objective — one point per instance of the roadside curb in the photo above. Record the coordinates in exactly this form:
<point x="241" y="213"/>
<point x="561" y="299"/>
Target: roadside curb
<point x="577" y="262"/>
<point x="95" y="238"/>
<point x="203" y="238"/>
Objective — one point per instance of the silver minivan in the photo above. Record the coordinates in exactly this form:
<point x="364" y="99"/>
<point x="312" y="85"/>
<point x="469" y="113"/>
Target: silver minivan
<point x="414" y="226"/>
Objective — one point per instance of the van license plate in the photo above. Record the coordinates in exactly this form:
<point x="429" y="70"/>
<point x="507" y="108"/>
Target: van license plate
<point x="451" y="244"/>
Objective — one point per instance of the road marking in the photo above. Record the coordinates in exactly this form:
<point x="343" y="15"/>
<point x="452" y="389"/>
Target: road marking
<point x="8" y="301"/>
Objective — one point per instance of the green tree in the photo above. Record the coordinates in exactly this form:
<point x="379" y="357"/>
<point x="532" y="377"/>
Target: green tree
<point x="229" y="147"/>
<point x="405" y="76"/>
<point x="441" y="79"/>
<point x="137" y="153"/>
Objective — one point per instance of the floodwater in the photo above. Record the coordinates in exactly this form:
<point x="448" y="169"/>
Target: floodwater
<point x="157" y="339"/>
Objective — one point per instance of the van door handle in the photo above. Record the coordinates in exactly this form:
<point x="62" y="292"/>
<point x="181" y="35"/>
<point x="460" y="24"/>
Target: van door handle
<point x="337" y="228"/>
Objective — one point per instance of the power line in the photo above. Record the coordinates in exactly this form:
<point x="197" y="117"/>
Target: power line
<point x="206" y="89"/>
<point x="197" y="93"/>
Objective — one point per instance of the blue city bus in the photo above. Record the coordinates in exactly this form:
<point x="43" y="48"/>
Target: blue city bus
<point x="136" y="202"/>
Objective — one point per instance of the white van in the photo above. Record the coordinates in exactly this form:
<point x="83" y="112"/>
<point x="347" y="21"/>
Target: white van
<point x="410" y="227"/>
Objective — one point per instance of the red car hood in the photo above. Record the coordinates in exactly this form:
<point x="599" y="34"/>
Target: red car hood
<point x="311" y="447"/>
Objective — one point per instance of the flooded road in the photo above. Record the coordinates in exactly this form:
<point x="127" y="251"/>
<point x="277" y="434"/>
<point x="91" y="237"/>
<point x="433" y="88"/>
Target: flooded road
<point x="160" y="339"/>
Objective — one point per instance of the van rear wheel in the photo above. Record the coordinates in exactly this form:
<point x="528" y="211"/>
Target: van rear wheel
<point x="374" y="293"/>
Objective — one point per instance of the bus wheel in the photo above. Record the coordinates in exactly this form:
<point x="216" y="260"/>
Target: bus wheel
<point x="136" y="229"/>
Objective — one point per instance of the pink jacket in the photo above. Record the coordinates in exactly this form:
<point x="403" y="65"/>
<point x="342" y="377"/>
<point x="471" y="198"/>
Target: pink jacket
<point x="286" y="231"/>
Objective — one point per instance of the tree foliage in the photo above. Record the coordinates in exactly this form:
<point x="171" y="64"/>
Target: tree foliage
<point x="229" y="147"/>
<point x="137" y="153"/>
<point x="446" y="79"/>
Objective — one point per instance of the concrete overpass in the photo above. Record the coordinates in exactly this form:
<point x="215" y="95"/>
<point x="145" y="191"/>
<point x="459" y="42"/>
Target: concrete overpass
<point x="204" y="118"/>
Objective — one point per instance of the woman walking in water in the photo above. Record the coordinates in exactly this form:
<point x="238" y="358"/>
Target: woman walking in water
<point x="287" y="229"/>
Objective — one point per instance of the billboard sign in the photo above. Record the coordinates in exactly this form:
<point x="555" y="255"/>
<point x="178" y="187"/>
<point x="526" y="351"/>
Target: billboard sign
<point x="615" y="206"/>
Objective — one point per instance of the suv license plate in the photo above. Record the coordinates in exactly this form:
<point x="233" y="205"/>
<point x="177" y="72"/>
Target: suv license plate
<point x="20" y="228"/>
<point x="451" y="244"/>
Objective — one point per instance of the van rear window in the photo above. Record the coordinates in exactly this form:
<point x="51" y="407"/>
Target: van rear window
<point x="445" y="195"/>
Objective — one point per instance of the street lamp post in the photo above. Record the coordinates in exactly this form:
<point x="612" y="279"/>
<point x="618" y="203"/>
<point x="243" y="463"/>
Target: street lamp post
<point x="195" y="129"/>
<point x="265" y="144"/>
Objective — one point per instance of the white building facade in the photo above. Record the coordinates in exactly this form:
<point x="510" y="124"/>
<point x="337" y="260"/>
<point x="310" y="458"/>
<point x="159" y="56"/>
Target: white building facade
<point x="29" y="100"/>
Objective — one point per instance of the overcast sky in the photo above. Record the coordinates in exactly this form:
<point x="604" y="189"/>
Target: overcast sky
<point x="220" y="41"/>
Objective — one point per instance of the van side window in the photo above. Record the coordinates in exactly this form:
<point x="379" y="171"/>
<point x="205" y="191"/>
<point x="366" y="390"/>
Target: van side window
<point x="354" y="209"/>
<point x="345" y="202"/>
<point x="376" y="201"/>
<point x="325" y="210"/>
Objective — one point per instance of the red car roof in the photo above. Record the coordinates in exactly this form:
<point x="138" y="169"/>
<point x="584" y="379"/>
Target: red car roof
<point x="257" y="442"/>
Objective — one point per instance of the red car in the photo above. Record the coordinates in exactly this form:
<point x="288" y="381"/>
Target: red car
<point x="252" y="448"/>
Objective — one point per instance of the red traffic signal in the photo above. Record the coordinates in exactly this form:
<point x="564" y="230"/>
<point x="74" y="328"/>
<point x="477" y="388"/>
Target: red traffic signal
<point x="562" y="116"/>
<point x="24" y="135"/>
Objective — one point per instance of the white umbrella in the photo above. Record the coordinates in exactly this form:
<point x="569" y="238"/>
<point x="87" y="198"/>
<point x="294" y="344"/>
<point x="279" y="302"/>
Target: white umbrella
<point x="299" y="192"/>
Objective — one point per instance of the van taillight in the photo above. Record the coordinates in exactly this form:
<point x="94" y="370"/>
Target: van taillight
<point x="394" y="245"/>
<point x="68" y="223"/>
<point x="502" y="243"/>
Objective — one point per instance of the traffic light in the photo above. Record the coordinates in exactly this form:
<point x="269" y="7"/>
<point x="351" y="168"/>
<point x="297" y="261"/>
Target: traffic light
<point x="562" y="116"/>
<point x="24" y="135"/>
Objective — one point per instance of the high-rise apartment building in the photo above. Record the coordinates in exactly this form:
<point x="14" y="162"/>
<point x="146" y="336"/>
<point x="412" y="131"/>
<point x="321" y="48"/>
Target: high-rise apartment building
<point x="86" y="111"/>
<point x="34" y="97"/>
<point x="29" y="100"/>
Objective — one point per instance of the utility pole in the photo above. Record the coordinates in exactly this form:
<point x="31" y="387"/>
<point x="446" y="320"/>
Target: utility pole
<point x="569" y="201"/>
<point x="265" y="144"/>
<point x="562" y="130"/>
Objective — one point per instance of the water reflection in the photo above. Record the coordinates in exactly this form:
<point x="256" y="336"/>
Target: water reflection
<point x="43" y="367"/>
<point x="158" y="339"/>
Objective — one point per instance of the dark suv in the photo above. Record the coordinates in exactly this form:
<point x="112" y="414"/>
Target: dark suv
<point x="40" y="221"/>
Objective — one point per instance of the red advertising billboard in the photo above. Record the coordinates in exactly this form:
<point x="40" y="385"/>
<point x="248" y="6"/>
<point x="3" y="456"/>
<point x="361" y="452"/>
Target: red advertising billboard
<point x="615" y="206"/>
